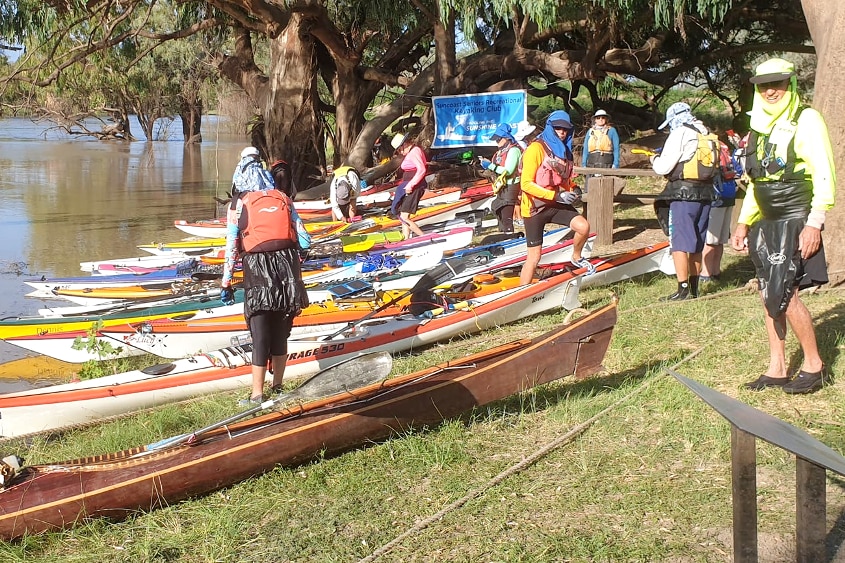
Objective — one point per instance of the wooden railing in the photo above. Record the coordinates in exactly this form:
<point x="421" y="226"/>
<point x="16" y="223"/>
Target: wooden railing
<point x="602" y="191"/>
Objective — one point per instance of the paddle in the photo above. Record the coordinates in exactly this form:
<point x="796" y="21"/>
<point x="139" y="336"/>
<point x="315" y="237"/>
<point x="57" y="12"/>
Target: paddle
<point x="447" y="270"/>
<point x="344" y="376"/>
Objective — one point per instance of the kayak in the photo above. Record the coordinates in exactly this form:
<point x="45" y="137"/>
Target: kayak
<point x="297" y="429"/>
<point x="177" y="339"/>
<point x="230" y="368"/>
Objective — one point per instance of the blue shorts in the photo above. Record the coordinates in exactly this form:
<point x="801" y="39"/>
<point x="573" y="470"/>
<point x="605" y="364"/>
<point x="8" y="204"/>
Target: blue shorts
<point x="688" y="225"/>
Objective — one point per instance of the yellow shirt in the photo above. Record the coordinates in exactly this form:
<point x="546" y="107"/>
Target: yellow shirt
<point x="814" y="156"/>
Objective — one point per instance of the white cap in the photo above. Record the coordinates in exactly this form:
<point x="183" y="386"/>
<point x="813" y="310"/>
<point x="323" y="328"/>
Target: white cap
<point x="600" y="113"/>
<point x="398" y="140"/>
<point x="249" y="151"/>
<point x="523" y="129"/>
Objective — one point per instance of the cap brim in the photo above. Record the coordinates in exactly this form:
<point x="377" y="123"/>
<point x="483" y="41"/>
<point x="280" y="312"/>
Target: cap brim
<point x="561" y="123"/>
<point x="494" y="137"/>
<point x="772" y="77"/>
<point x="663" y="125"/>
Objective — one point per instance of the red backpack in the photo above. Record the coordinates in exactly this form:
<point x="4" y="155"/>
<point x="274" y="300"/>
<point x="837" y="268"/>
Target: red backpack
<point x="726" y="164"/>
<point x="266" y="223"/>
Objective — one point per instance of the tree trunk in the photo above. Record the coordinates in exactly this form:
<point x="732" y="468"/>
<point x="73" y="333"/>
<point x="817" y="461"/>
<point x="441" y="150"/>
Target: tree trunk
<point x="350" y="107"/>
<point x="825" y="18"/>
<point x="191" y="114"/>
<point x="291" y="121"/>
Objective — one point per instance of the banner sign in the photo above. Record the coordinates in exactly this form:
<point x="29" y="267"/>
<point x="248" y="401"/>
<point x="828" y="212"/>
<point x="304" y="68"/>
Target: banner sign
<point x="468" y="120"/>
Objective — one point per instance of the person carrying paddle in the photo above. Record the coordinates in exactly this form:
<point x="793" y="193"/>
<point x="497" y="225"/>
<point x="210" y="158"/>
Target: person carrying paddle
<point x="505" y="165"/>
<point x="406" y="198"/>
<point x="789" y="161"/>
<point x="548" y="193"/>
<point x="263" y="228"/>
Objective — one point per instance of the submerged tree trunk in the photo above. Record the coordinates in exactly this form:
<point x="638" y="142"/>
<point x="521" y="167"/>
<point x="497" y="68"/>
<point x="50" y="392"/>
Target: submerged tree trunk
<point x="190" y="111"/>
<point x="825" y="18"/>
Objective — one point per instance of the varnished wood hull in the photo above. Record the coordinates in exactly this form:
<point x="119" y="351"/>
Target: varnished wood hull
<point x="60" y="494"/>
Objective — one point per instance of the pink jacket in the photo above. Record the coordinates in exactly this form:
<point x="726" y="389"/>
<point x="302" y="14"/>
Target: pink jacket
<point x="414" y="160"/>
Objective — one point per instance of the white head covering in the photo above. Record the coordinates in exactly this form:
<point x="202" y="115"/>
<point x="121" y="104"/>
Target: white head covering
<point x="398" y="140"/>
<point x="249" y="151"/>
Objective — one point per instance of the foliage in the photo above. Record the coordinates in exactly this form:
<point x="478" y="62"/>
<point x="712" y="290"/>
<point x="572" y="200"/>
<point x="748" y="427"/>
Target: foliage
<point x="99" y="347"/>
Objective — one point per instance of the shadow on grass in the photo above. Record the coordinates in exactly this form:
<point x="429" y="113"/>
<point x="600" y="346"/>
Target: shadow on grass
<point x="568" y="389"/>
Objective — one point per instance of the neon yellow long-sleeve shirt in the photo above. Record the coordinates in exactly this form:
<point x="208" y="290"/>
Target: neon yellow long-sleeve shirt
<point x="814" y="156"/>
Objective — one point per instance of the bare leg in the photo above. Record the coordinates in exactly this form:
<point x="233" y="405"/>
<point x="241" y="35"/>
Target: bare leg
<point x="581" y="227"/>
<point x="532" y="258"/>
<point x="279" y="363"/>
<point x="409" y="226"/>
<point x="694" y="263"/>
<point x="712" y="259"/>
<point x="777" y="347"/>
<point x="258" y="373"/>
<point x="801" y="324"/>
<point x="682" y="265"/>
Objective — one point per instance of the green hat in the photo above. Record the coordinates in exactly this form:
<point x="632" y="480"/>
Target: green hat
<point x="773" y="70"/>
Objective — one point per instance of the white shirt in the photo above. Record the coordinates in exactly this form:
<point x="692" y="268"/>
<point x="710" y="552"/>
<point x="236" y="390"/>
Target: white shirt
<point x="680" y="146"/>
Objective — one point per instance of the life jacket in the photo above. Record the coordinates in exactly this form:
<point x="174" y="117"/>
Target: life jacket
<point x="266" y="222"/>
<point x="553" y="172"/>
<point x="704" y="164"/>
<point x="773" y="167"/>
<point x="499" y="159"/>
<point x="599" y="140"/>
<point x="726" y="163"/>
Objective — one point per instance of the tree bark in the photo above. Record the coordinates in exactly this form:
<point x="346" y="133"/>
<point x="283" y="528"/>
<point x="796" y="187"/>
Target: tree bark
<point x="825" y="18"/>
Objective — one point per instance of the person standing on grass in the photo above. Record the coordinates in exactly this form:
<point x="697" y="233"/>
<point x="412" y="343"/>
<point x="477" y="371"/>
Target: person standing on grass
<point x="601" y="144"/>
<point x="505" y="165"/>
<point x="683" y="207"/>
<point x="263" y="228"/>
<point x="406" y="198"/>
<point x="548" y="193"/>
<point x="719" y="222"/>
<point x="789" y="161"/>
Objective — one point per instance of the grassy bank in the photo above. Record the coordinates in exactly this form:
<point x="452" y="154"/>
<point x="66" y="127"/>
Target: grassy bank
<point x="648" y="480"/>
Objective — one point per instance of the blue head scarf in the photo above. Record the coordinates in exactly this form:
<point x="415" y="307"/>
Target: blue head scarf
<point x="561" y="149"/>
<point x="504" y="131"/>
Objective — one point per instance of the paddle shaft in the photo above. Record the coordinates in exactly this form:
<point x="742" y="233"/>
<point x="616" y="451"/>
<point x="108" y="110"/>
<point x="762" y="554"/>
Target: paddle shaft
<point x="428" y="281"/>
<point x="372" y="367"/>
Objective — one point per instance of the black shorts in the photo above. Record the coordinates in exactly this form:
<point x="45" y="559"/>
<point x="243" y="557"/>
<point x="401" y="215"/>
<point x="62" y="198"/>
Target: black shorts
<point x="270" y="331"/>
<point x="812" y="271"/>
<point x="556" y="213"/>
<point x="411" y="202"/>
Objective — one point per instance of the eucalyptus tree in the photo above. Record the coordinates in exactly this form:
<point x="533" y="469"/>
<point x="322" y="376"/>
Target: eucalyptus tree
<point x="378" y="60"/>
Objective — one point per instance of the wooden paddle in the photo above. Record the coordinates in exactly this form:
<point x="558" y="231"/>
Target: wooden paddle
<point x="447" y="270"/>
<point x="356" y="372"/>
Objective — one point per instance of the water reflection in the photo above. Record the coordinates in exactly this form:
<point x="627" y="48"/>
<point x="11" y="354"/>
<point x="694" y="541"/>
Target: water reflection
<point x="65" y="200"/>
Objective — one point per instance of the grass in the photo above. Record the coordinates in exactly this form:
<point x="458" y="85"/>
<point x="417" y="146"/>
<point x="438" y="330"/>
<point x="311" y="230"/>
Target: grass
<point x="648" y="480"/>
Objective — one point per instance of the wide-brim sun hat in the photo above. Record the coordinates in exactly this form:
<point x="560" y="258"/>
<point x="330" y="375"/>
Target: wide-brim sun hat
<point x="523" y="129"/>
<point x="249" y="151"/>
<point x="398" y="140"/>
<point x="600" y="113"/>
<point x="773" y="70"/>
<point x="674" y="110"/>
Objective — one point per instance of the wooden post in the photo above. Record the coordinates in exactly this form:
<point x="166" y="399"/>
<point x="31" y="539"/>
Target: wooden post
<point x="810" y="511"/>
<point x="744" y="489"/>
<point x="600" y="208"/>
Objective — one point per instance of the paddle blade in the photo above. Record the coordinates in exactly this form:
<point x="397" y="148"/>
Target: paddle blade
<point x="344" y="376"/>
<point x="442" y="273"/>
<point x="341" y="377"/>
